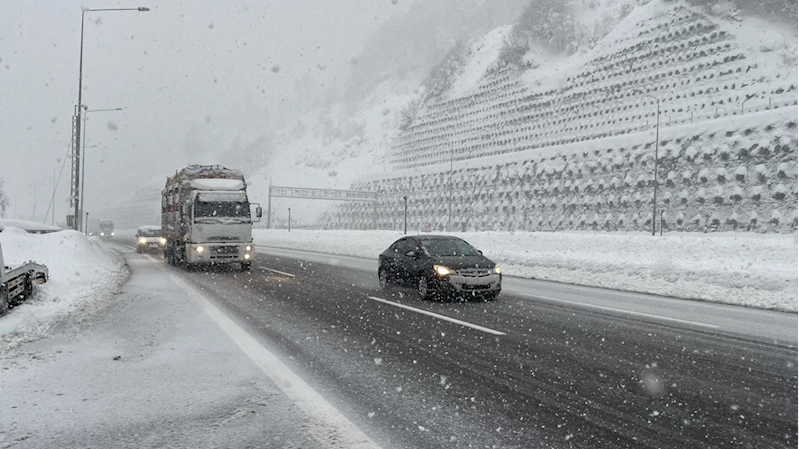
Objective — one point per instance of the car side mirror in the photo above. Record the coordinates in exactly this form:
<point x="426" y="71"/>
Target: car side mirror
<point x="411" y="254"/>
<point x="259" y="212"/>
<point x="479" y="252"/>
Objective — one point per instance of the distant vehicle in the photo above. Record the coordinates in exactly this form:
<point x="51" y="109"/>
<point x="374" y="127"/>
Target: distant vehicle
<point x="205" y="217"/>
<point x="106" y="228"/>
<point x="149" y="239"/>
<point x="439" y="266"/>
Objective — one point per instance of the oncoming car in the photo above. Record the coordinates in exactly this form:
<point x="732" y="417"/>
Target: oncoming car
<point x="439" y="266"/>
<point x="149" y="238"/>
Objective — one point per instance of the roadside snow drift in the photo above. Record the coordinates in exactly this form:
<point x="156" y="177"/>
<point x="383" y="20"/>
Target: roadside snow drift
<point x="83" y="272"/>
<point x="755" y="270"/>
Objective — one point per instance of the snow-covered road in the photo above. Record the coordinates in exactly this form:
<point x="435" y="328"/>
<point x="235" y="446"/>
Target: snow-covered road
<point x="158" y="367"/>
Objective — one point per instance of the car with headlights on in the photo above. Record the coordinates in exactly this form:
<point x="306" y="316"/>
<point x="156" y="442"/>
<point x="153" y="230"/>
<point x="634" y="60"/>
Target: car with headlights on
<point x="149" y="239"/>
<point x="439" y="266"/>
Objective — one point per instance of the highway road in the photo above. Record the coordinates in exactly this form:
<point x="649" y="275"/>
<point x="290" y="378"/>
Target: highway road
<point x="545" y="365"/>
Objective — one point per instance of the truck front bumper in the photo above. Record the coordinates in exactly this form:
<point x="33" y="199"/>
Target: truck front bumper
<point x="219" y="253"/>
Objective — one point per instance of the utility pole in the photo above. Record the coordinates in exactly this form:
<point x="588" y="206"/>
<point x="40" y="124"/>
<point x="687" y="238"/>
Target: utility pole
<point x="289" y="219"/>
<point x="657" y="143"/>
<point x="405" y="228"/>
<point x="449" y="214"/>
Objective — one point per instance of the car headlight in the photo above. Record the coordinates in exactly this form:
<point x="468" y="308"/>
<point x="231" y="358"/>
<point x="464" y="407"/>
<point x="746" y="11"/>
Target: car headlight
<point x="497" y="270"/>
<point x="441" y="270"/>
<point x="112" y="234"/>
<point x="163" y="241"/>
<point x="102" y="234"/>
<point x="142" y="240"/>
<point x="200" y="249"/>
<point x="248" y="248"/>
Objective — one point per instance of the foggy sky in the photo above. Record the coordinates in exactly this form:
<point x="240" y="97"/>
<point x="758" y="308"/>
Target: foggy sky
<point x="184" y="63"/>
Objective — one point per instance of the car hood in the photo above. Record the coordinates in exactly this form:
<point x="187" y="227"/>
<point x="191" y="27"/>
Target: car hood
<point x="460" y="262"/>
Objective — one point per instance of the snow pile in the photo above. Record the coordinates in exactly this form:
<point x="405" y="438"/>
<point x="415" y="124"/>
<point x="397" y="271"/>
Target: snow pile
<point x="83" y="272"/>
<point x="754" y="270"/>
<point x="30" y="226"/>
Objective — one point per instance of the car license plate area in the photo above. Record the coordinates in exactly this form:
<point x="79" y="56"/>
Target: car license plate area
<point x="475" y="286"/>
<point x="225" y="250"/>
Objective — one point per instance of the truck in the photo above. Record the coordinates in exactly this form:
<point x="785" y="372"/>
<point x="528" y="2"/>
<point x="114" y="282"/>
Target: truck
<point x="106" y="228"/>
<point x="206" y="217"/>
<point x="102" y="227"/>
<point x="16" y="281"/>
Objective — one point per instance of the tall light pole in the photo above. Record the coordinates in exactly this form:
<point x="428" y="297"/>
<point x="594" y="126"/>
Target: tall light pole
<point x="83" y="159"/>
<point x="75" y="191"/>
<point x="657" y="142"/>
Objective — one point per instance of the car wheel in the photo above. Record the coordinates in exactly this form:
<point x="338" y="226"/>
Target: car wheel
<point x="423" y="287"/>
<point x="491" y="296"/>
<point x="383" y="277"/>
<point x="138" y="249"/>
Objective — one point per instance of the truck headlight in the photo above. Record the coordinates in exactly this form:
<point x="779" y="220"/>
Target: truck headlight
<point x="246" y="257"/>
<point x="248" y="248"/>
<point x="497" y="270"/>
<point x="441" y="270"/>
<point x="142" y="240"/>
<point x="200" y="249"/>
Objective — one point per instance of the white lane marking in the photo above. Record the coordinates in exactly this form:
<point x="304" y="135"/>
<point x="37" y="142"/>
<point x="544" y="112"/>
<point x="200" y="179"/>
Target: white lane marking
<point x="313" y="404"/>
<point x="278" y="272"/>
<point x="628" y="312"/>
<point x="440" y="317"/>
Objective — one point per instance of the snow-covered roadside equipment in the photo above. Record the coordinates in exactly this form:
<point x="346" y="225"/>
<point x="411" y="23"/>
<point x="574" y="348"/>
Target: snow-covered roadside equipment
<point x="16" y="281"/>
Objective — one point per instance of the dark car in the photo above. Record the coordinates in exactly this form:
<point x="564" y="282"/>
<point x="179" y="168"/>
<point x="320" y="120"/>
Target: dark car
<point x="439" y="266"/>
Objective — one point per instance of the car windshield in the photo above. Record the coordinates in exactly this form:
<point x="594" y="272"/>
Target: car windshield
<point x="448" y="247"/>
<point x="150" y="233"/>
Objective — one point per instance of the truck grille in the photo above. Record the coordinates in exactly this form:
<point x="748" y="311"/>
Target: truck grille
<point x="225" y="250"/>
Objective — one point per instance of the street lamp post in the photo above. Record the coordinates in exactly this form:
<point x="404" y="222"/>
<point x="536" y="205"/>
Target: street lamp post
<point x="83" y="158"/>
<point x="289" y="219"/>
<point x="657" y="142"/>
<point x="75" y="188"/>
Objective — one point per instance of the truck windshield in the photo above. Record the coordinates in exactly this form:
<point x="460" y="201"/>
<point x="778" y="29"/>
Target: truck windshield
<point x="204" y="210"/>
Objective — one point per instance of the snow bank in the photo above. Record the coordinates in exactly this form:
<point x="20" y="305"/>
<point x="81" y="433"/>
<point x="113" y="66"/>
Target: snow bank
<point x="754" y="270"/>
<point x="30" y="226"/>
<point x="83" y="273"/>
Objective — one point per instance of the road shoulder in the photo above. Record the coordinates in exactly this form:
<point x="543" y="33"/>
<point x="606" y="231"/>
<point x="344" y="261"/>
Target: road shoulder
<point x="151" y="369"/>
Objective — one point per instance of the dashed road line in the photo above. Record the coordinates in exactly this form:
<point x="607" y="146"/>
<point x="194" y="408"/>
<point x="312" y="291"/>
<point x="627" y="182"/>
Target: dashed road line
<point x="440" y="317"/>
<point x="278" y="272"/>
